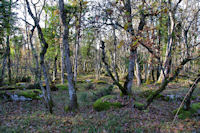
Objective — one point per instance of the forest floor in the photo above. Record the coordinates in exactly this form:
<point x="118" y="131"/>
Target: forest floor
<point x="31" y="116"/>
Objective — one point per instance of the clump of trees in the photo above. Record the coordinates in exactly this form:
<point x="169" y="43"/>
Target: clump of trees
<point x="153" y="41"/>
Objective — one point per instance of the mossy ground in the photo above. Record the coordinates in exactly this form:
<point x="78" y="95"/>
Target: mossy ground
<point x="32" y="93"/>
<point x="32" y="116"/>
<point x="194" y="110"/>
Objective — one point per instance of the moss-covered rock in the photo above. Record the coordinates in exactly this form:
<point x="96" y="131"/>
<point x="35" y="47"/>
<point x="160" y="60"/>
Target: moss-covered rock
<point x="33" y="94"/>
<point x="194" y="110"/>
<point x="104" y="103"/>
<point x="21" y="95"/>
<point x="139" y="105"/>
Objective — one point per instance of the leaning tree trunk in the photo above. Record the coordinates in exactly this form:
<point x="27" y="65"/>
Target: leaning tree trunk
<point x="167" y="80"/>
<point x="72" y="92"/>
<point x="116" y="82"/>
<point x="47" y="92"/>
<point x="188" y="100"/>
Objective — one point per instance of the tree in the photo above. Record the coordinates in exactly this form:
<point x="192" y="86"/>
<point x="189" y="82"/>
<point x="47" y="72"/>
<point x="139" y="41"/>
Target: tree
<point x="65" y="22"/>
<point x="47" y="91"/>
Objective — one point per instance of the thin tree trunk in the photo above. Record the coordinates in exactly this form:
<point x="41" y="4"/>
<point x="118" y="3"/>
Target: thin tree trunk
<point x="3" y="68"/>
<point x="55" y="68"/>
<point x="72" y="92"/>
<point x="129" y="78"/>
<point x="62" y="61"/>
<point x="115" y="55"/>
<point x="167" y="61"/>
<point x="123" y="90"/>
<point x="8" y="58"/>
<point x="138" y="71"/>
<point x="188" y="100"/>
<point x="47" y="95"/>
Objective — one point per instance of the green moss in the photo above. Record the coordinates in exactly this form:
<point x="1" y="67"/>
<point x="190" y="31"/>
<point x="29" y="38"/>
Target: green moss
<point x="62" y="86"/>
<point x="66" y="108"/>
<point x="121" y="94"/>
<point x="195" y="106"/>
<point x="149" y="93"/>
<point x="184" y="115"/>
<point x="103" y="103"/>
<point x="139" y="105"/>
<point x="100" y="82"/>
<point x="33" y="94"/>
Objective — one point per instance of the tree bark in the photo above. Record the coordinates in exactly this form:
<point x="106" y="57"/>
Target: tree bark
<point x="47" y="92"/>
<point x="72" y="92"/>
<point x="8" y="58"/>
<point x="138" y="71"/>
<point x="62" y="61"/>
<point x="129" y="78"/>
<point x="55" y="68"/>
<point x="3" y="69"/>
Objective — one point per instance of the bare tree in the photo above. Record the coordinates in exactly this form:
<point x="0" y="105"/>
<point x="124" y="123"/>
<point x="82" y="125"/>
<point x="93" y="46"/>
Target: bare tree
<point x="72" y="92"/>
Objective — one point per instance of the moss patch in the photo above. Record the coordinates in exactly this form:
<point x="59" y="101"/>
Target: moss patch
<point x="104" y="103"/>
<point x="33" y="94"/>
<point x="100" y="82"/>
<point x="62" y="86"/>
<point x="139" y="105"/>
<point x="183" y="114"/>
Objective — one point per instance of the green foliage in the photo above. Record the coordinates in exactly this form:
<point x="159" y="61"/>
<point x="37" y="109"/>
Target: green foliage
<point x="103" y="103"/>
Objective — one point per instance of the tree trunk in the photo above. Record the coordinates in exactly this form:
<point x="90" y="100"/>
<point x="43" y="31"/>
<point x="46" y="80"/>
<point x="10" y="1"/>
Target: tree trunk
<point x="55" y="68"/>
<point x="137" y="73"/>
<point x="72" y="92"/>
<point x="168" y="59"/>
<point x="3" y="68"/>
<point x="8" y="58"/>
<point x="188" y="100"/>
<point x="123" y="90"/>
<point x="129" y="78"/>
<point x="47" y="92"/>
<point x="62" y="61"/>
<point x="115" y="55"/>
